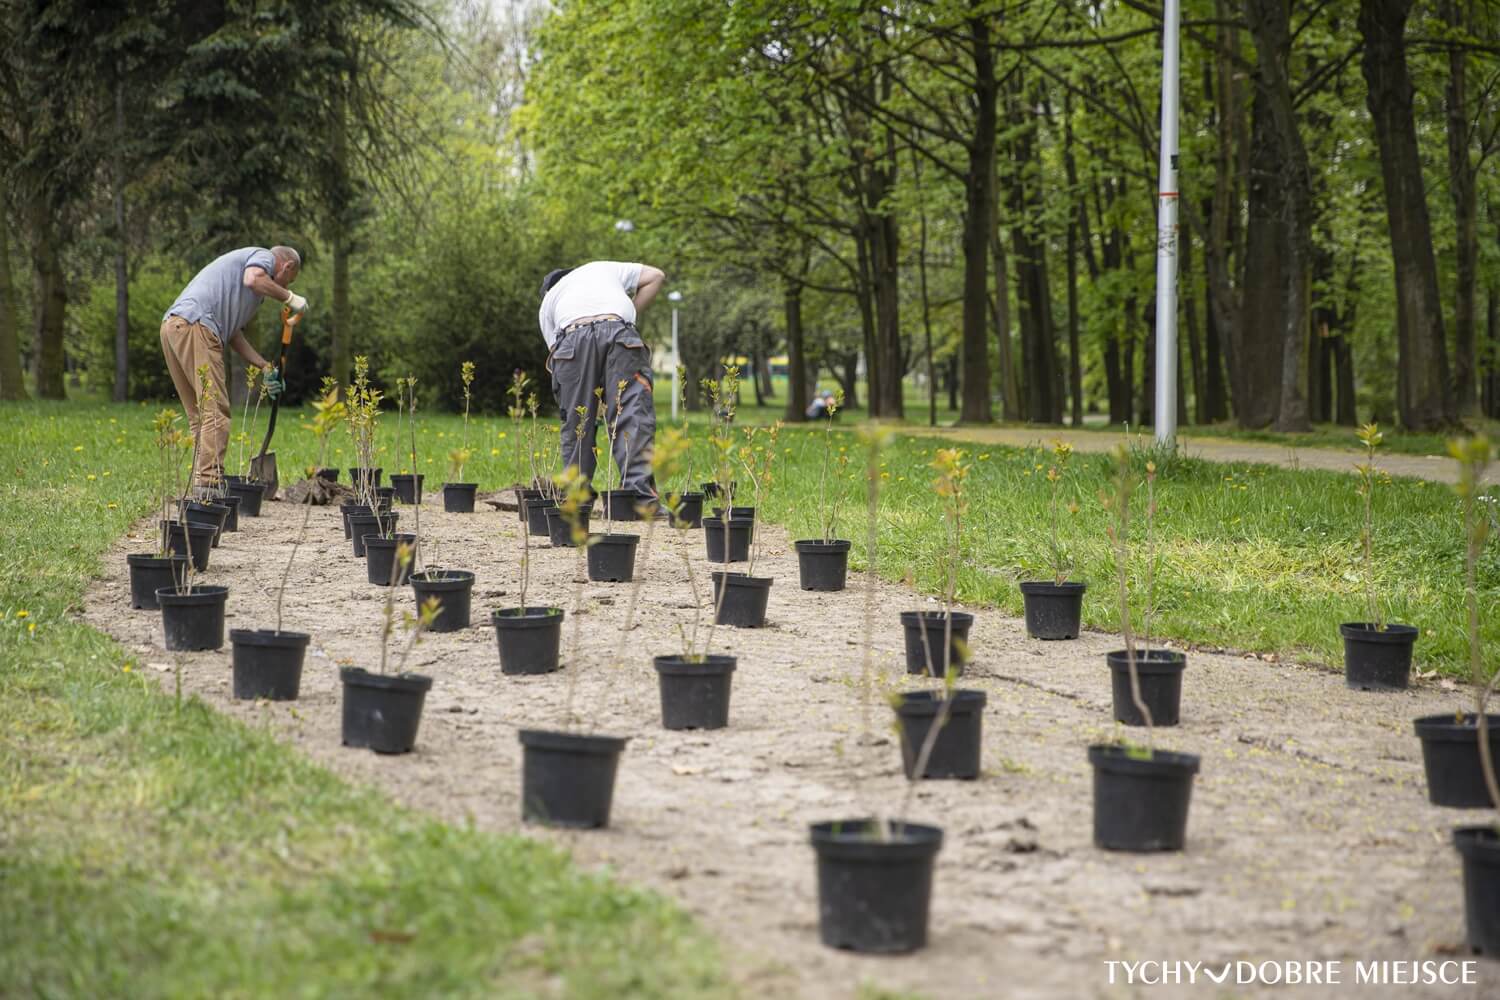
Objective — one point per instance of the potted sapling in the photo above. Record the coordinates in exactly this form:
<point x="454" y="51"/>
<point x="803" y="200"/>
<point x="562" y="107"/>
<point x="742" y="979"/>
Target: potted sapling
<point x="559" y="529"/>
<point x="620" y="504"/>
<point x="1158" y="671"/>
<point x="529" y="637"/>
<point x="874" y="871"/>
<point x="686" y="503"/>
<point x="938" y="641"/>
<point x="1478" y="845"/>
<point x="199" y="502"/>
<point x="382" y="711"/>
<point x="1456" y="746"/>
<point x="1054" y="608"/>
<point x="458" y="496"/>
<point x="364" y="414"/>
<point x="823" y="562"/>
<point x="152" y="571"/>
<point x="251" y="492"/>
<point x="727" y="534"/>
<point x="451" y="589"/>
<point x="525" y="459"/>
<point x="611" y="555"/>
<point x="568" y="776"/>
<point x="539" y="506"/>
<point x="268" y="662"/>
<point x="192" y="614"/>
<point x="406" y="485"/>
<point x="1141" y="793"/>
<point x="1377" y="653"/>
<point x="740" y="599"/>
<point x="694" y="683"/>
<point x="941" y="729"/>
<point x="382" y="568"/>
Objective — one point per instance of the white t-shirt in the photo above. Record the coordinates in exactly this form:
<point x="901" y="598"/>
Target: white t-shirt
<point x="593" y="289"/>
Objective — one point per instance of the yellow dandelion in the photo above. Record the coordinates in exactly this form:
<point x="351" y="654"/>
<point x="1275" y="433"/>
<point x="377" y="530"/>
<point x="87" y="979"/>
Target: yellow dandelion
<point x="78" y="447"/>
<point x="494" y="451"/>
<point x="984" y="456"/>
<point x="126" y="668"/>
<point x="23" y="613"/>
<point x="91" y="477"/>
<point x="113" y="506"/>
<point x="106" y="472"/>
<point x="31" y="628"/>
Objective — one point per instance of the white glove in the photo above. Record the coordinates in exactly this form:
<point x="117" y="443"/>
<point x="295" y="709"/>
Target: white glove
<point x="295" y="302"/>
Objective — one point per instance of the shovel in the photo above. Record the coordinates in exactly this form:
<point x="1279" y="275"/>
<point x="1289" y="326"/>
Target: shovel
<point x="263" y="466"/>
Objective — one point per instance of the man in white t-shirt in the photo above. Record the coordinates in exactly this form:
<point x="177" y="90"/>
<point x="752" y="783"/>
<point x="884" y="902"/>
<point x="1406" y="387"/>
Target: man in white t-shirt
<point x="588" y="320"/>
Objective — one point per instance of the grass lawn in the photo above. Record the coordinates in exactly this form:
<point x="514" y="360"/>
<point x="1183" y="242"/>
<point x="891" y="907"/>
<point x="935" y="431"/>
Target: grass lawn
<point x="151" y="848"/>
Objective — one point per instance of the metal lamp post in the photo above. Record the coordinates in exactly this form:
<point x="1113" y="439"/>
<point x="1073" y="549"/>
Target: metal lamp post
<point x="1165" y="411"/>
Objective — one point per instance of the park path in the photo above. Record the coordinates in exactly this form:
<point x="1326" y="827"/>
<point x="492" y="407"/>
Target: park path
<point x="1212" y="449"/>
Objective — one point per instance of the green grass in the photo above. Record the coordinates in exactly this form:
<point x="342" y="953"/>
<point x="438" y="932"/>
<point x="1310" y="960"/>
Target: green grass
<point x="156" y="849"/>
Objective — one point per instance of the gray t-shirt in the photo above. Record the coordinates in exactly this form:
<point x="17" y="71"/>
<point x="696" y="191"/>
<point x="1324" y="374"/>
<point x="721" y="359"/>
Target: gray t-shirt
<point x="217" y="296"/>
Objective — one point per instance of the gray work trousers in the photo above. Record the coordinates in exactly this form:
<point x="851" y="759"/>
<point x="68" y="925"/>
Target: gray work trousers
<point x="604" y="354"/>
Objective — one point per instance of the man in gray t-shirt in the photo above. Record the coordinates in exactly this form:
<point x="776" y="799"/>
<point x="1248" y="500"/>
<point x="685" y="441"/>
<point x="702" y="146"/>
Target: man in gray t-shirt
<point x="212" y="311"/>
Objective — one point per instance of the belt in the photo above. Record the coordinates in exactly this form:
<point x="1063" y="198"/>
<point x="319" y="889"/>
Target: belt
<point x="606" y="318"/>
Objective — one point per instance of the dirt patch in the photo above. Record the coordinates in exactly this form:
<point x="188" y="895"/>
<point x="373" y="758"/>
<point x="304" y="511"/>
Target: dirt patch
<point x="1310" y="836"/>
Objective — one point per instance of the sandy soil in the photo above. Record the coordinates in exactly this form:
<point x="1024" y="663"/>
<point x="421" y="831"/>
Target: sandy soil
<point x="1310" y="837"/>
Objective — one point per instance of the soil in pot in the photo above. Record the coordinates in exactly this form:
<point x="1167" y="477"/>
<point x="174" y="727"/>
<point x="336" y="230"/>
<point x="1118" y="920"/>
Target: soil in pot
<point x="365" y="479"/>
<point x="1141" y="804"/>
<point x="528" y="639"/>
<point x="536" y="515"/>
<point x="568" y="779"/>
<point x="194" y="618"/>
<point x="149" y="573"/>
<point x="1450" y="756"/>
<point x="558" y="528"/>
<point x="956" y="750"/>
<point x="1053" y="610"/>
<point x="694" y="692"/>
<point x="380" y="560"/>
<point x="363" y="525"/>
<point x="382" y="711"/>
<point x="1160" y="675"/>
<point x="612" y="557"/>
<point x="1479" y="847"/>
<point x="408" y="487"/>
<point x="924" y="642"/>
<point x="874" y="892"/>
<point x="743" y="604"/>
<point x="453" y="588"/>
<point x="689" y="513"/>
<point x="267" y="663"/>
<point x="736" y="513"/>
<point x="458" y="498"/>
<point x="1377" y="659"/>
<point x="741" y="533"/>
<point x="251" y="496"/>
<point x="822" y="565"/>
<point x="193" y="539"/>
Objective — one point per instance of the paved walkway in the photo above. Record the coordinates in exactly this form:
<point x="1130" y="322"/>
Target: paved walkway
<point x="1214" y="449"/>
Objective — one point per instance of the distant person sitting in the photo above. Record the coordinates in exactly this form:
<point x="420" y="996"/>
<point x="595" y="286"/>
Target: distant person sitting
<point x="822" y="407"/>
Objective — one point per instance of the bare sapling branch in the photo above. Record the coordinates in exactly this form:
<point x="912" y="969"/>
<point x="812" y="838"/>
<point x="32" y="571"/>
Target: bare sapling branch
<point x="1474" y="455"/>
<point x="1119" y="535"/>
<point x="1369" y="435"/>
<point x="328" y="412"/>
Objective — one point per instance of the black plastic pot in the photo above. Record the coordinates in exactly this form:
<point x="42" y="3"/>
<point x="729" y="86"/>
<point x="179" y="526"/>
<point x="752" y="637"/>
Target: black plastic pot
<point x="612" y="557"/>
<point x="620" y="505"/>
<point x="206" y="513"/>
<point x="743" y="604"/>
<point x="536" y="516"/>
<point x="1053" y="610"/>
<point x="1479" y="846"/>
<point x="365" y="479"/>
<point x="251" y="496"/>
<point x="458" y="498"/>
<point x="527" y="495"/>
<point x="1160" y="676"/>
<point x="874" y="892"/>
<point x="1450" y="755"/>
<point x="528" y="638"/>
<point x="453" y="588"/>
<point x="694" y="693"/>
<point x="689" y="513"/>
<point x="380" y="560"/>
<point x="715" y="490"/>
<point x="955" y="751"/>
<point x="822" y="565"/>
<point x="736" y="513"/>
<point x="1377" y="659"/>
<point x="741" y="533"/>
<point x="382" y="711"/>
<point x="558" y="528"/>
<point x="1140" y="804"/>
<point x="568" y="779"/>
<point x="385" y="496"/>
<point x="332" y="475"/>
<point x="149" y="573"/>
<point x="193" y="539"/>
<point x="933" y="625"/>
<point x="408" y="487"/>
<point x="194" y="619"/>
<point x="267" y="664"/>
<point x="347" y="510"/>
<point x="361" y="525"/>
<point x="231" y="522"/>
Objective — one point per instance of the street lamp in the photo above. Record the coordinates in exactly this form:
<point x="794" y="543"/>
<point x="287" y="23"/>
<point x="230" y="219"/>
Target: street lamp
<point x="675" y="297"/>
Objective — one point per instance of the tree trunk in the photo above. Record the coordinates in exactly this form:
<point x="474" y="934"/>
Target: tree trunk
<point x="796" y="363"/>
<point x="122" y="276"/>
<point x="1424" y="402"/>
<point x="866" y="319"/>
<point x="342" y="328"/>
<point x="1075" y="364"/>
<point x="1194" y="337"/>
<point x="50" y="292"/>
<point x="916" y="165"/>
<point x="1343" y="364"/>
<point x="12" y="385"/>
<point x="1462" y="184"/>
<point x="1256" y="373"/>
<point x="979" y="222"/>
<point x="1492" y="374"/>
<point x="885" y="382"/>
<point x="1010" y="385"/>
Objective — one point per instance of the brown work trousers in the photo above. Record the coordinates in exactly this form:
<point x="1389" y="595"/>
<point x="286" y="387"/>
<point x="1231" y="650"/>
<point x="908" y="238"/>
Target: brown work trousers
<point x="189" y="347"/>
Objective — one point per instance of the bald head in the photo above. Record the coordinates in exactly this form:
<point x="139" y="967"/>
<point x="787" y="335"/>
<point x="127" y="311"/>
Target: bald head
<point x="288" y="265"/>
